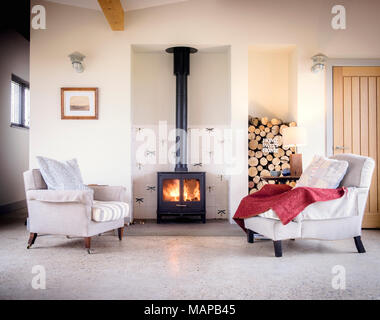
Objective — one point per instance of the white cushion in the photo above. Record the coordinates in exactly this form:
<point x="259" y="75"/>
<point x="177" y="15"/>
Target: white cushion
<point x="344" y="207"/>
<point x="61" y="175"/>
<point x="109" y="210"/>
<point x="323" y="173"/>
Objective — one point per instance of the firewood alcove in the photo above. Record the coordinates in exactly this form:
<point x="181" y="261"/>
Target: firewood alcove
<point x="266" y="151"/>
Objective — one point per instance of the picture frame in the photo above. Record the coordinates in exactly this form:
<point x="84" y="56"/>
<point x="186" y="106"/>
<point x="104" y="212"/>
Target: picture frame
<point x="79" y="103"/>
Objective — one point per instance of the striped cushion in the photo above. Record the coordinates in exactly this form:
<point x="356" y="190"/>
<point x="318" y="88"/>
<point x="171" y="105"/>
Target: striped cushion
<point x="109" y="210"/>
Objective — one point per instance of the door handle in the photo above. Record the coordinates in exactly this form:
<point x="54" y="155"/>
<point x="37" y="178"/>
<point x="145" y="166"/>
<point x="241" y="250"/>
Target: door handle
<point x="341" y="148"/>
<point x="181" y="205"/>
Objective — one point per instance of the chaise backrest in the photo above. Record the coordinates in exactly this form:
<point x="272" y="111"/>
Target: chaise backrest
<point x="33" y="180"/>
<point x="359" y="172"/>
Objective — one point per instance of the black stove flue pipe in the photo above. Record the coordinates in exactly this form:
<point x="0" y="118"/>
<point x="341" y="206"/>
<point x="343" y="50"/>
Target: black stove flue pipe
<point x="181" y="71"/>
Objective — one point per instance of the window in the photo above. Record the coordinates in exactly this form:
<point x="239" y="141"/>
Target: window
<point x="20" y="103"/>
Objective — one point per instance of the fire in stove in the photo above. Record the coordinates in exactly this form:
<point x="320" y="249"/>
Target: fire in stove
<point x="170" y="190"/>
<point x="191" y="190"/>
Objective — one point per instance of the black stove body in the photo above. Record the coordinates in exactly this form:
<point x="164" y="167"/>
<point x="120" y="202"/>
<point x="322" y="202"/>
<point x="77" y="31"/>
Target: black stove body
<point x="181" y="194"/>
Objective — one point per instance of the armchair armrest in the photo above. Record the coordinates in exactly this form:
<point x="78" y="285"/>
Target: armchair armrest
<point x="108" y="193"/>
<point x="361" y="199"/>
<point x="360" y="190"/>
<point x="57" y="196"/>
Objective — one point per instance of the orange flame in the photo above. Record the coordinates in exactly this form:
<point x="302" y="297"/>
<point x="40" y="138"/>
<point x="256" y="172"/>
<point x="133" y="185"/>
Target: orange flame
<point x="171" y="190"/>
<point x="191" y="190"/>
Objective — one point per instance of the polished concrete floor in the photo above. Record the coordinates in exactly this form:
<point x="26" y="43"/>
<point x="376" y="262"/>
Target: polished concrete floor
<point x="179" y="265"/>
<point x="178" y="227"/>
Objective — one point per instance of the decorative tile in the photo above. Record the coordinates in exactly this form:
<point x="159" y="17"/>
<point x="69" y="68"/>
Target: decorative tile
<point x="144" y="173"/>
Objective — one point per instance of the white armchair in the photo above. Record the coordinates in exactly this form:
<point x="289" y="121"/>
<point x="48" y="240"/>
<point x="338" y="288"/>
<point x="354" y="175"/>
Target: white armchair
<point x="77" y="213"/>
<point x="329" y="220"/>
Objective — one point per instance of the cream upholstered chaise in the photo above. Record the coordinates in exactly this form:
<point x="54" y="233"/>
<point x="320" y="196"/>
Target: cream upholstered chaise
<point x="328" y="220"/>
<point x="77" y="213"/>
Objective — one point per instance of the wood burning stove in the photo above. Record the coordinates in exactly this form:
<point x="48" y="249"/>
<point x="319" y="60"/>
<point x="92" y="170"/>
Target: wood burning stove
<point x="181" y="192"/>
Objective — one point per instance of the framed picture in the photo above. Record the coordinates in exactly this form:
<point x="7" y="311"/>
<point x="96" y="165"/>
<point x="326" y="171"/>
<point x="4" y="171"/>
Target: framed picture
<point x="79" y="103"/>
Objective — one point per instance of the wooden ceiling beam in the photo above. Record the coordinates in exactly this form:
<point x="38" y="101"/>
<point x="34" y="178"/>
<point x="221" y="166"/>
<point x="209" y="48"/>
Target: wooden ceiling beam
<point x="114" y="12"/>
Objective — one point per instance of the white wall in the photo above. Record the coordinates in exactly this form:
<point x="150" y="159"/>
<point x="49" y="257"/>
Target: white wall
<point x="103" y="146"/>
<point x="14" y="142"/>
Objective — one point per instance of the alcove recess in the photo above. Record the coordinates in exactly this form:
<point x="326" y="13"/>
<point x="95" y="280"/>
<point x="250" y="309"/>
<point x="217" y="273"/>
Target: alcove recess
<point x="260" y="160"/>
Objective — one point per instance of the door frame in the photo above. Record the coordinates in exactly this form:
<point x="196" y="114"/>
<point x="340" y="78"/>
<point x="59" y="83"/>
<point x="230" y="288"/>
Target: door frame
<point x="330" y="93"/>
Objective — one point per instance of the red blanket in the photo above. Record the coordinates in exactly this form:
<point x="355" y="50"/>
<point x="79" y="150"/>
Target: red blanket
<point x="286" y="202"/>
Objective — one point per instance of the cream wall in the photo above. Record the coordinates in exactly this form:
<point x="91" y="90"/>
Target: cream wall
<point x="14" y="142"/>
<point x="292" y="83"/>
<point x="153" y="87"/>
<point x="209" y="89"/>
<point x="270" y="83"/>
<point x="103" y="146"/>
<point x="99" y="145"/>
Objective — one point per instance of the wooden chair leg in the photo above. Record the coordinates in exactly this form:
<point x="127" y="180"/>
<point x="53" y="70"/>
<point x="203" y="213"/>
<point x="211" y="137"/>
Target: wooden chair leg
<point x="120" y="232"/>
<point x="359" y="244"/>
<point x="277" y="248"/>
<point x="87" y="244"/>
<point x="250" y="236"/>
<point x="32" y="238"/>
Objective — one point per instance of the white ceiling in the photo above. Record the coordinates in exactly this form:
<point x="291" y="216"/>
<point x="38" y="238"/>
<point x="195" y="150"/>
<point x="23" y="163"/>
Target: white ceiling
<point x="128" y="5"/>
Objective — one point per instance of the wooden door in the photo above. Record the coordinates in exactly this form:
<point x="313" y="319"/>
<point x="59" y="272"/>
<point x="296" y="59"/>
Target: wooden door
<point x="357" y="124"/>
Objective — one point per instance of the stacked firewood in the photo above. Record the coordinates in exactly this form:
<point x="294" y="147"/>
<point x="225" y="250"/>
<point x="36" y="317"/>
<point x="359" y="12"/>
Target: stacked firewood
<point x="265" y="150"/>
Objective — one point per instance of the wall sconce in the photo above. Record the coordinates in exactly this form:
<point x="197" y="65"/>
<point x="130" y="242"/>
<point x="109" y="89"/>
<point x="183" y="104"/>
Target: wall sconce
<point x="76" y="60"/>
<point x="319" y="62"/>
